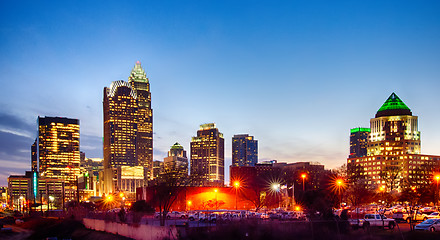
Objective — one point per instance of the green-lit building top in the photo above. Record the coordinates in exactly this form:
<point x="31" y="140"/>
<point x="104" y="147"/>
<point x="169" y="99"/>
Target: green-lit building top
<point x="176" y="146"/>
<point x="359" y="129"/>
<point x="393" y="106"/>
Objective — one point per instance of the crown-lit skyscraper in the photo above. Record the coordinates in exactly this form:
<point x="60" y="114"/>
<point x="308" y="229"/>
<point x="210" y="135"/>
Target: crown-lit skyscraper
<point x="244" y="150"/>
<point x="58" y="151"/>
<point x="207" y="155"/>
<point x="393" y="157"/>
<point x="144" y="116"/>
<point x="128" y="122"/>
<point x="176" y="162"/>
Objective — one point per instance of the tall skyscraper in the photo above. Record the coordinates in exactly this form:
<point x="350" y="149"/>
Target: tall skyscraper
<point x="207" y="155"/>
<point x="58" y="150"/>
<point x="394" y="158"/>
<point x="34" y="156"/>
<point x="176" y="162"/>
<point x="244" y="150"/>
<point x="358" y="142"/>
<point x="128" y="122"/>
<point x="144" y="137"/>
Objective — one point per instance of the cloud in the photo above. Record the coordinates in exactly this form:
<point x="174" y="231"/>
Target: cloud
<point x="91" y="145"/>
<point x="15" y="132"/>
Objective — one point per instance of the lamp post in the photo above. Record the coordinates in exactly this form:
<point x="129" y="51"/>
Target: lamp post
<point x="340" y="185"/>
<point x="437" y="178"/>
<point x="303" y="176"/>
<point x="236" y="185"/>
<point x="216" y="203"/>
<point x="122" y="196"/>
<point x="382" y="190"/>
<point x="51" y="199"/>
<point x="20" y="204"/>
<point x="276" y="188"/>
<point x="188" y="204"/>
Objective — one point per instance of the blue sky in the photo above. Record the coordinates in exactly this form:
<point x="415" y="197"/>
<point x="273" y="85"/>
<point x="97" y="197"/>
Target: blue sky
<point x="297" y="75"/>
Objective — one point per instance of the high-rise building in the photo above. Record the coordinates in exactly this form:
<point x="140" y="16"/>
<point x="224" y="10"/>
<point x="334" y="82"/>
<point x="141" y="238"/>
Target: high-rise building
<point x="207" y="155"/>
<point x="128" y="122"/>
<point x="34" y="156"/>
<point x="358" y="142"/>
<point x="176" y="162"/>
<point x="58" y="151"/>
<point x="394" y="158"/>
<point x="158" y="168"/>
<point x="144" y="137"/>
<point x="244" y="150"/>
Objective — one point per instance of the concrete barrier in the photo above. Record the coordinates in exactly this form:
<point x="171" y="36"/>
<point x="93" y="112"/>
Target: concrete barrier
<point x="141" y="232"/>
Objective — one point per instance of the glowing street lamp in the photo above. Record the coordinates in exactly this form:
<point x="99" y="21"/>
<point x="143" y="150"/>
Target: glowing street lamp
<point x="188" y="203"/>
<point x="236" y="185"/>
<point x="21" y="203"/>
<point x="437" y="178"/>
<point x="303" y="176"/>
<point x="51" y="199"/>
<point x="276" y="187"/>
<point x="216" y="201"/>
<point x="339" y="185"/>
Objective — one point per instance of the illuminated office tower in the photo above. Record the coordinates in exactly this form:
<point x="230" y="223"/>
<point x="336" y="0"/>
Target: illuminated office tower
<point x="207" y="155"/>
<point x="144" y="138"/>
<point x="176" y="162"/>
<point x="58" y="151"/>
<point x="128" y="122"/>
<point x="393" y="150"/>
<point x="244" y="150"/>
<point x="358" y="142"/>
<point x="34" y="157"/>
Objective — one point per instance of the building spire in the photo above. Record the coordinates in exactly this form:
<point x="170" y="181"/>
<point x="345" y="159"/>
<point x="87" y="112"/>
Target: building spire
<point x="138" y="74"/>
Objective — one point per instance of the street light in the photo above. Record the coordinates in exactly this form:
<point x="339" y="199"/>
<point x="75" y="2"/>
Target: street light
<point x="51" y="199"/>
<point x="437" y="178"/>
<point x="216" y="201"/>
<point x="236" y="185"/>
<point x="340" y="184"/>
<point x="20" y="203"/>
<point x="276" y="188"/>
<point x="188" y="203"/>
<point x="303" y="176"/>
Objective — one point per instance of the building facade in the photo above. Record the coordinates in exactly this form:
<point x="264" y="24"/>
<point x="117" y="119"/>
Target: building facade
<point x="244" y="150"/>
<point x="176" y="162"/>
<point x="58" y="151"/>
<point x="128" y="122"/>
<point x="29" y="190"/>
<point x="394" y="158"/>
<point x="207" y="156"/>
<point x="358" y="142"/>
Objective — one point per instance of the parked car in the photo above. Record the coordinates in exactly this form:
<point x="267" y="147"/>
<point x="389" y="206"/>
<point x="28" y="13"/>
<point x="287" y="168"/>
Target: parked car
<point x="193" y="216"/>
<point x="176" y="214"/>
<point x="417" y="216"/>
<point x="209" y="217"/>
<point x="434" y="215"/>
<point x="429" y="225"/>
<point x="376" y="220"/>
<point x="400" y="216"/>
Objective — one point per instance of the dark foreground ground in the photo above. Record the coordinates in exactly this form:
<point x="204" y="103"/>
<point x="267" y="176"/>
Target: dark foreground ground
<point x="49" y="228"/>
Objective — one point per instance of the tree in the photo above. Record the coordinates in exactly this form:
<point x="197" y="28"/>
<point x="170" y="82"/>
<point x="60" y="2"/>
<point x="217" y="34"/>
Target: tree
<point x="391" y="175"/>
<point x="166" y="189"/>
<point x="254" y="190"/>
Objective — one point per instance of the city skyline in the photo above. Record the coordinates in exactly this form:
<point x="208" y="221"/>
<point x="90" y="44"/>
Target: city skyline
<point x="297" y="76"/>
